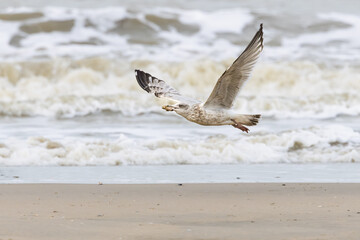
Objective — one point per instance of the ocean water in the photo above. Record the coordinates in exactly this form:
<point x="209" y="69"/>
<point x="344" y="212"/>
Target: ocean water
<point x="68" y="94"/>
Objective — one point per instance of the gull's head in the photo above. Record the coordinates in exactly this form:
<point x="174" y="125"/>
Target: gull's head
<point x="181" y="108"/>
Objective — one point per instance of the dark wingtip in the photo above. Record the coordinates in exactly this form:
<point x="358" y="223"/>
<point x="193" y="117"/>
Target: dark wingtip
<point x="142" y="79"/>
<point x="137" y="71"/>
<point x="261" y="35"/>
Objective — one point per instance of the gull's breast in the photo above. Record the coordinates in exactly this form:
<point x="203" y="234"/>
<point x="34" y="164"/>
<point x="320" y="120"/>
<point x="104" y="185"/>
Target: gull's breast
<point x="203" y="116"/>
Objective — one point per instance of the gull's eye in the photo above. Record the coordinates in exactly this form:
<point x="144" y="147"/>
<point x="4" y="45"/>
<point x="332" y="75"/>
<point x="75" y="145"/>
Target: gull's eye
<point x="183" y="106"/>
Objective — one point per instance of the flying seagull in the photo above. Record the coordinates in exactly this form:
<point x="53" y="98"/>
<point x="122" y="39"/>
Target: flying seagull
<point x="216" y="110"/>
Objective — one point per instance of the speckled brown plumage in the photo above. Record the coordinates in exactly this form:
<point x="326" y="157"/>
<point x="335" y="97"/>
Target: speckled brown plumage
<point x="216" y="109"/>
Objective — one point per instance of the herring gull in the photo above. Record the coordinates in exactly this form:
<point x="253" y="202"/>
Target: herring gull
<point x="216" y="110"/>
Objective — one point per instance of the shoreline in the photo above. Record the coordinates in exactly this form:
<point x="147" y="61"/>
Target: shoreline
<point x="188" y="211"/>
<point x="212" y="173"/>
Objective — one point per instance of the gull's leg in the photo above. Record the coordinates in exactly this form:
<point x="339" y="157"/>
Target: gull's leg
<point x="239" y="126"/>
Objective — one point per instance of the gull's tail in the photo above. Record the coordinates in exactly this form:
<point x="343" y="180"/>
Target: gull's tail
<point x="248" y="120"/>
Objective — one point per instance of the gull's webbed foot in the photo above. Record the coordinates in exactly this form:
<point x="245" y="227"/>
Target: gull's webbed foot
<point x="239" y="126"/>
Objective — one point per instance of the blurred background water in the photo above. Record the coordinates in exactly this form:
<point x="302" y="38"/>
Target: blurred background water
<point x="68" y="95"/>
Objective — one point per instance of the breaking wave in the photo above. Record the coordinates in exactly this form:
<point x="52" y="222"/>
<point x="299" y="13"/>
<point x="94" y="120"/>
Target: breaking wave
<point x="330" y="144"/>
<point x="117" y="31"/>
<point x="175" y="34"/>
<point x="70" y="88"/>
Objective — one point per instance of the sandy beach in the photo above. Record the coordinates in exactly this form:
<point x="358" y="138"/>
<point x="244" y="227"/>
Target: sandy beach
<point x="174" y="211"/>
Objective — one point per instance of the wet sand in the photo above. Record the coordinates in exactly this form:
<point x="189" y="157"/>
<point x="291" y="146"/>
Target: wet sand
<point x="189" y="211"/>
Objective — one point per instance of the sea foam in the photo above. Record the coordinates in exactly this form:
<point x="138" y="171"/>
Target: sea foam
<point x="331" y="143"/>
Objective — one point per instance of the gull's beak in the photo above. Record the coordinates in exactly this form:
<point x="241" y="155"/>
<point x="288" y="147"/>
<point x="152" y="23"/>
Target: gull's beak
<point x="168" y="108"/>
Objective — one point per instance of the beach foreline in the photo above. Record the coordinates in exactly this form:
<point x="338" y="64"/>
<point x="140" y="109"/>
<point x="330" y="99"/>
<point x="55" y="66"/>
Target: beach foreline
<point x="180" y="211"/>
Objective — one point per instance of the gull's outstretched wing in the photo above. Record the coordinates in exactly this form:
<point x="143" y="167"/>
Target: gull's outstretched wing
<point x="230" y="82"/>
<point x="160" y="89"/>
